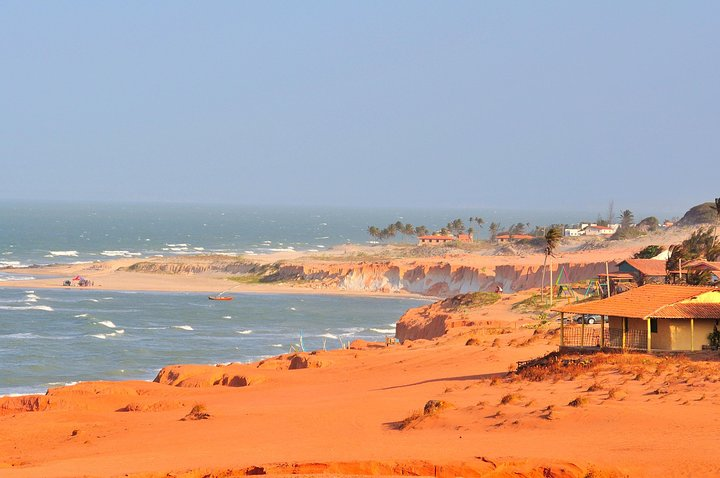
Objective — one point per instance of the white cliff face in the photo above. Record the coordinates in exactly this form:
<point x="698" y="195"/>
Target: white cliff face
<point x="439" y="280"/>
<point x="444" y="280"/>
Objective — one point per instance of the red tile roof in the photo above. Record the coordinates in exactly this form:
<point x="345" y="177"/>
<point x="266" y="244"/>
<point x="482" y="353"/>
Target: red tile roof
<point x="639" y="303"/>
<point x="702" y="265"/>
<point x="514" y="236"/>
<point x="617" y="275"/>
<point x="689" y="311"/>
<point x="648" y="267"/>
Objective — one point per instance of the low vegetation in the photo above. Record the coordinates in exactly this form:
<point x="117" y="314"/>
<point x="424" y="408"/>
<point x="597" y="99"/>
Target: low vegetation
<point x="471" y="300"/>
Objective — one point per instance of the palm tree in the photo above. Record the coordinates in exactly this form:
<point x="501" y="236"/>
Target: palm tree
<point x="408" y="230"/>
<point x="494" y="227"/>
<point x="374" y="232"/>
<point x="626" y="219"/>
<point x="717" y="213"/>
<point x="421" y="231"/>
<point x="552" y="239"/>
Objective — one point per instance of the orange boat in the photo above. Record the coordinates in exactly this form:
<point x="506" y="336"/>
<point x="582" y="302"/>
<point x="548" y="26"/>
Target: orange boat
<point x="217" y="297"/>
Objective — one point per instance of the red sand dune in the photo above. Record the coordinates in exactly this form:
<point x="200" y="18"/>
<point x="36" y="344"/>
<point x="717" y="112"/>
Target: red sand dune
<point x="360" y="411"/>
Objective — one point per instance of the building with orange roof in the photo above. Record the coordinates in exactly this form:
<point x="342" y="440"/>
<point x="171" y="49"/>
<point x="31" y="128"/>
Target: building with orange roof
<point x="503" y="238"/>
<point x="434" y="240"/>
<point x="701" y="265"/>
<point x="654" y="317"/>
<point x="645" y="271"/>
<point x="440" y="239"/>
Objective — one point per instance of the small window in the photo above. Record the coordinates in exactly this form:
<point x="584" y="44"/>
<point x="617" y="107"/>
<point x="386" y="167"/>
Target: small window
<point x="653" y="326"/>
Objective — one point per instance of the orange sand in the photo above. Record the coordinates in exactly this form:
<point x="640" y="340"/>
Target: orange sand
<point x="359" y="411"/>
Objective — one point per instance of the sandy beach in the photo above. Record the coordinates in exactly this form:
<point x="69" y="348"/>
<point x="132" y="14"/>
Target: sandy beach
<point x="452" y="405"/>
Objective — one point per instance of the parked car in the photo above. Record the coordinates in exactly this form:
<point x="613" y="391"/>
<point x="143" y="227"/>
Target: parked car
<point x="589" y="319"/>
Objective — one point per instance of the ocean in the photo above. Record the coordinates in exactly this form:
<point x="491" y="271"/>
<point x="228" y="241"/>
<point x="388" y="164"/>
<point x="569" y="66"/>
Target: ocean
<point x="50" y="338"/>
<point x="48" y="233"/>
<point x="54" y="337"/>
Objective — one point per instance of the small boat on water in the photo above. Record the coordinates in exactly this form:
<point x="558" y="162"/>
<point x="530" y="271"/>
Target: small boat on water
<point x="219" y="297"/>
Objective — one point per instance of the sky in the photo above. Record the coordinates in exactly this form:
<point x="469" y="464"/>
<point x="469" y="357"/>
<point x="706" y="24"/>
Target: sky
<point x="558" y="105"/>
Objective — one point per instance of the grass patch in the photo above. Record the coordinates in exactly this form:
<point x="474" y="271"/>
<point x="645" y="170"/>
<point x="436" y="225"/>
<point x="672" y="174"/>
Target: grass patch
<point x="247" y="278"/>
<point x="471" y="300"/>
<point x="532" y="305"/>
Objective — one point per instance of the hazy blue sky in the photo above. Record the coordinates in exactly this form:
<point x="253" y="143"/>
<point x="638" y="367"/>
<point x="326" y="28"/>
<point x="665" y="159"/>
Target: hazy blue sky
<point x="553" y="105"/>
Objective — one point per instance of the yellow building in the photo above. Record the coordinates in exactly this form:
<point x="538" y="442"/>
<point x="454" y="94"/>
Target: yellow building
<point x="654" y="317"/>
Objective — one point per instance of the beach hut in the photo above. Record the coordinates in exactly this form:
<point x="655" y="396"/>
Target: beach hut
<point x="645" y="271"/>
<point x="654" y="317"/>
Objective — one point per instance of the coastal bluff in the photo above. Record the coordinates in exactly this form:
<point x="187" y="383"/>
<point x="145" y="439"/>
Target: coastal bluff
<point x="436" y="278"/>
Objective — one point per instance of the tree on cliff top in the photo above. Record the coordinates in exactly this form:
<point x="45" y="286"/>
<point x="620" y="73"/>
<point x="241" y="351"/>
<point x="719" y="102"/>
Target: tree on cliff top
<point x="552" y="240"/>
<point x="649" y="252"/>
<point x="702" y="244"/>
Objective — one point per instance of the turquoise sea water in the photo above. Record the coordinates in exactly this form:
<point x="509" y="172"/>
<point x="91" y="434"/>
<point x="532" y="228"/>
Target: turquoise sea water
<point x="41" y="233"/>
<point x="54" y="337"/>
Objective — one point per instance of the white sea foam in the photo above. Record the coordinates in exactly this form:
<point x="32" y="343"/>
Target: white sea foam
<point x="31" y="298"/>
<point x="199" y="248"/>
<point x="120" y="331"/>
<point x="176" y="245"/>
<point x="81" y="315"/>
<point x="107" y="323"/>
<point x="276" y="345"/>
<point x="14" y="264"/>
<point x="92" y="300"/>
<point x="99" y="336"/>
<point x="63" y="253"/>
<point x="22" y="335"/>
<point x="243" y="332"/>
<point x="383" y="331"/>
<point x="227" y="316"/>
<point x="120" y="254"/>
<point x="46" y="308"/>
<point x="183" y="327"/>
<point x="329" y="336"/>
<point x="293" y="308"/>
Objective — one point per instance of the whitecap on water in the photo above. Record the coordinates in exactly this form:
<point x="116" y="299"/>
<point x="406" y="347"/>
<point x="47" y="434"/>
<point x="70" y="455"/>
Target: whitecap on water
<point x="99" y="336"/>
<point x="107" y="323"/>
<point x="46" y="308"/>
<point x="276" y="345"/>
<point x="63" y="253"/>
<point x="329" y="336"/>
<point x="120" y="254"/>
<point x="227" y="316"/>
<point x="22" y="335"/>
<point x="80" y="315"/>
<point x="183" y="327"/>
<point x="383" y="331"/>
<point x="293" y="308"/>
<point x="243" y="332"/>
